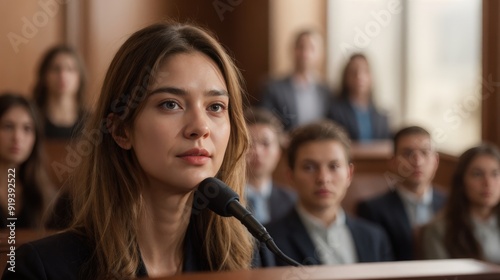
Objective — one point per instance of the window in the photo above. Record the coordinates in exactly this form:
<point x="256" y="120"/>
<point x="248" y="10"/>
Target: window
<point x="425" y="59"/>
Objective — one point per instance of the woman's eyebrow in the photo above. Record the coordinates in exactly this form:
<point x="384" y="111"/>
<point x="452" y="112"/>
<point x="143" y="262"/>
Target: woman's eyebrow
<point x="180" y="91"/>
<point x="172" y="90"/>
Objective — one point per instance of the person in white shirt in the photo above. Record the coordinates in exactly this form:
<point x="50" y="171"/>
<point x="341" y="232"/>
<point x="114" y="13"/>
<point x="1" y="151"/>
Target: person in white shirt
<point x="300" y="97"/>
<point x="317" y="230"/>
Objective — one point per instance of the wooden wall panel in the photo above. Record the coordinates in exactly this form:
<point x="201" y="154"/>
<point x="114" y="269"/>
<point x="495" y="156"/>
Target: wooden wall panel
<point x="241" y="26"/>
<point x="491" y="72"/>
<point x="106" y="25"/>
<point x="27" y="30"/>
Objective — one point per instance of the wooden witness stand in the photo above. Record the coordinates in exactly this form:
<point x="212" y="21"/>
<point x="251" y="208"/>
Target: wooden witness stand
<point x="459" y="269"/>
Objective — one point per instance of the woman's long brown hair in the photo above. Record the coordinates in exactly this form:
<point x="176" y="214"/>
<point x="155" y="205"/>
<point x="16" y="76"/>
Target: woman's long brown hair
<point x="459" y="239"/>
<point x="107" y="196"/>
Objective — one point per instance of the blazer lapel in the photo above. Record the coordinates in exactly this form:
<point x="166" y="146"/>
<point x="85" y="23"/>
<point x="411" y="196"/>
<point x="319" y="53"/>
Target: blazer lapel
<point x="437" y="200"/>
<point x="301" y="240"/>
<point x="359" y="241"/>
<point x="351" y="119"/>
<point x="399" y="212"/>
<point x="290" y="110"/>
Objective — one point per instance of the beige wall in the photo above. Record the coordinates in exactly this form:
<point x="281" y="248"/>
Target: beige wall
<point x="107" y="25"/>
<point x="32" y="30"/>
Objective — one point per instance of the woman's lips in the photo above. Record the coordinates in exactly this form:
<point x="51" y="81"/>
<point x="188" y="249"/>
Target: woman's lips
<point x="195" y="156"/>
<point x="195" y="160"/>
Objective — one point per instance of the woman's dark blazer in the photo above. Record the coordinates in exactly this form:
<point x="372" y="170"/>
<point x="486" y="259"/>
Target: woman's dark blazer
<point x="342" y="112"/>
<point x="64" y="255"/>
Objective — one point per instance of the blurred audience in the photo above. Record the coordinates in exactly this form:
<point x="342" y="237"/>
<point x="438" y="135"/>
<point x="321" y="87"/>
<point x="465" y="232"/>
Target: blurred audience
<point x="469" y="226"/>
<point x="300" y="97"/>
<point x="413" y="201"/>
<point x="267" y="200"/>
<point x="21" y="156"/>
<point x="317" y="230"/>
<point x="59" y="92"/>
<point x="355" y="109"/>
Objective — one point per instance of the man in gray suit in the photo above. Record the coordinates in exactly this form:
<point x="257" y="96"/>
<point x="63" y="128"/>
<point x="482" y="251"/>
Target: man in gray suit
<point x="300" y="97"/>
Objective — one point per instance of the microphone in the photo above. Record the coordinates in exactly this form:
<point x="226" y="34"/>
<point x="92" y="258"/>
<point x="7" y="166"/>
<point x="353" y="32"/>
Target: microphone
<point x="222" y="200"/>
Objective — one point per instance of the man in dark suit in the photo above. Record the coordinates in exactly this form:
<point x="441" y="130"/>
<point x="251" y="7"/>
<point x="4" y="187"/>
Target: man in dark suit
<point x="317" y="230"/>
<point x="267" y="200"/>
<point x="413" y="201"/>
<point x="300" y="98"/>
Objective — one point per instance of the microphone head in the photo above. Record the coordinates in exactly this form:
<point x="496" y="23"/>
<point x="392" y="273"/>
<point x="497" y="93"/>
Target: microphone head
<point x="215" y="195"/>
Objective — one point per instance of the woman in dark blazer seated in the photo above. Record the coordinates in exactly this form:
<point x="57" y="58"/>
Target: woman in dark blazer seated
<point x="354" y="109"/>
<point x="169" y="115"/>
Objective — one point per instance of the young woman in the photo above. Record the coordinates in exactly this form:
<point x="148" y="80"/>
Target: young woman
<point x="169" y="115"/>
<point x="21" y="157"/>
<point x="59" y="92"/>
<point x="469" y="226"/>
<point x="354" y="109"/>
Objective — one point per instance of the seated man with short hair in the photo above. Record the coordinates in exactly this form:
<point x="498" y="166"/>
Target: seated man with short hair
<point x="413" y="201"/>
<point x="317" y="230"/>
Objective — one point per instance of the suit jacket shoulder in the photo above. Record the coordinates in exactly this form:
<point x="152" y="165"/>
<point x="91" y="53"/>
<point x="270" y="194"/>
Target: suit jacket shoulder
<point x="292" y="238"/>
<point x="371" y="241"/>
<point x="281" y="202"/>
<point x="372" y="209"/>
<point x="388" y="211"/>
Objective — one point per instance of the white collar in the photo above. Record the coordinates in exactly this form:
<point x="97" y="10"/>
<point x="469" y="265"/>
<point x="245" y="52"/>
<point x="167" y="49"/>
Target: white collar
<point x="410" y="197"/>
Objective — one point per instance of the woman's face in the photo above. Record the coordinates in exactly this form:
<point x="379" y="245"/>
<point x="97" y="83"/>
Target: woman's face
<point x="63" y="77"/>
<point x="482" y="181"/>
<point x="359" y="78"/>
<point x="17" y="136"/>
<point x="181" y="134"/>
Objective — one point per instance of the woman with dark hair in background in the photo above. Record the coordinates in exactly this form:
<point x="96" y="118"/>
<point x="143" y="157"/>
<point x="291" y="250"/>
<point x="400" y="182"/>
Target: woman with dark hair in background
<point x="59" y="92"/>
<point x="170" y="114"/>
<point x="21" y="155"/>
<point x="354" y="109"/>
<point x="469" y="226"/>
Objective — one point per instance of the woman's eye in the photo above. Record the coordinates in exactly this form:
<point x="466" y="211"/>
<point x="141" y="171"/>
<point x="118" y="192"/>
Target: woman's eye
<point x="216" y="107"/>
<point x="170" y="105"/>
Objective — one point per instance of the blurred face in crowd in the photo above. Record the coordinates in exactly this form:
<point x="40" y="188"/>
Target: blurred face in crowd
<point x="482" y="182"/>
<point x="63" y="77"/>
<point x="17" y="136"/>
<point x="415" y="161"/>
<point x="265" y="151"/>
<point x="321" y="175"/>
<point x="181" y="134"/>
<point x="359" y="77"/>
<point x="308" y="52"/>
